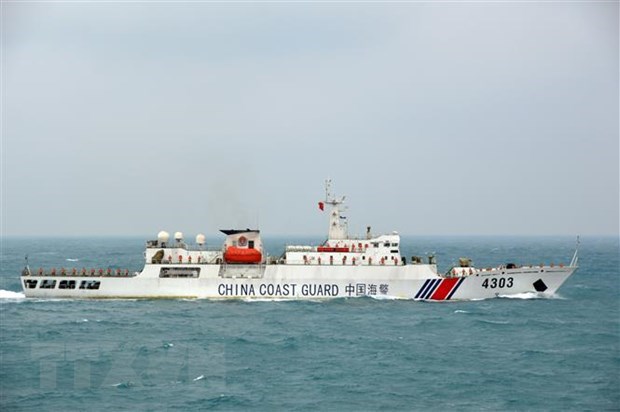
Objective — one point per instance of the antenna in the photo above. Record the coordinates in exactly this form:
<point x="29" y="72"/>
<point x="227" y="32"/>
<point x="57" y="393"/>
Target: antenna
<point x="328" y="187"/>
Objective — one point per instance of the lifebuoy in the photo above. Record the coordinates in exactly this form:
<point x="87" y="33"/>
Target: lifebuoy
<point x="243" y="241"/>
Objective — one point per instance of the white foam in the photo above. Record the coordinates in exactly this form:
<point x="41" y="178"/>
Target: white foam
<point x="387" y="297"/>
<point x="264" y="299"/>
<point x="199" y="378"/>
<point x="9" y="294"/>
<point x="72" y="260"/>
<point x="460" y="311"/>
<point x="123" y="385"/>
<point x="530" y="295"/>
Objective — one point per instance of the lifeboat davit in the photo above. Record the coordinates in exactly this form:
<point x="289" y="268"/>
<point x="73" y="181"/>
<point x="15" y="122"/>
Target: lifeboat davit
<point x="242" y="255"/>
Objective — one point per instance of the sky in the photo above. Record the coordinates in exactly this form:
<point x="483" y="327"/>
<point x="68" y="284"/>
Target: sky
<point x="453" y="118"/>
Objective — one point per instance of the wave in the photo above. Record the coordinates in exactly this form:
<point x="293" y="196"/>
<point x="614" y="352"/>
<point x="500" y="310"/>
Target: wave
<point x="493" y="322"/>
<point x="9" y="294"/>
<point x="386" y="297"/>
<point x="530" y="295"/>
<point x="124" y="385"/>
<point x="72" y="260"/>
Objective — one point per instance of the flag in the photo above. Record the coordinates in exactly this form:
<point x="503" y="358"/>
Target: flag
<point x="321" y="205"/>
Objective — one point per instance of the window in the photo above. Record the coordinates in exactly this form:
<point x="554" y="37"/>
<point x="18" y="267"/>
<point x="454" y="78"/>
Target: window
<point x="90" y="284"/>
<point x="251" y="244"/>
<point x="394" y="244"/>
<point x="30" y="283"/>
<point x="48" y="284"/>
<point x="179" y="272"/>
<point x="66" y="284"/>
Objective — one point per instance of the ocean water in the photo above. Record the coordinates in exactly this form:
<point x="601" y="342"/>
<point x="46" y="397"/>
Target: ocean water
<point x="526" y="353"/>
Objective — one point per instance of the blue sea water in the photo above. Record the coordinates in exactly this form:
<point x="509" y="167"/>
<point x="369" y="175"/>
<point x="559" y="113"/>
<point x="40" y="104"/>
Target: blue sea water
<point x="560" y="353"/>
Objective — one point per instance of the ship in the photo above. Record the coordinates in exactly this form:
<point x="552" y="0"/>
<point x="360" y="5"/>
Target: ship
<point x="340" y="267"/>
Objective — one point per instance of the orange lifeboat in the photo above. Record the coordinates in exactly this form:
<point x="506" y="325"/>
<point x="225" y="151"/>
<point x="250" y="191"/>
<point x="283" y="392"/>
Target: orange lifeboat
<point x="238" y="255"/>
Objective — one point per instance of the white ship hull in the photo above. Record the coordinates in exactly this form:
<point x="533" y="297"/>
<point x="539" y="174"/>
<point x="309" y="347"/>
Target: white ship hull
<point x="283" y="282"/>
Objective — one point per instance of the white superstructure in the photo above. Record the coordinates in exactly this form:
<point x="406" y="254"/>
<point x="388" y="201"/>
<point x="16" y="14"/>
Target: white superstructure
<point x="340" y="267"/>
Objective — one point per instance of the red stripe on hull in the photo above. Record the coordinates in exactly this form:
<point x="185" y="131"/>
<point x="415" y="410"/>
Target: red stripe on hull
<point x="444" y="288"/>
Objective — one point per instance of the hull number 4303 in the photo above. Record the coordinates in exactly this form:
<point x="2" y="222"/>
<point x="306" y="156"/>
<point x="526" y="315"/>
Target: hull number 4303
<point x="494" y="283"/>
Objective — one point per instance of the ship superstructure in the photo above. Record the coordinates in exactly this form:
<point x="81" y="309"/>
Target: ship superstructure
<point x="340" y="267"/>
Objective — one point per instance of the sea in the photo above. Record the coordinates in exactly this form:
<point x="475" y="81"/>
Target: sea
<point x="527" y="353"/>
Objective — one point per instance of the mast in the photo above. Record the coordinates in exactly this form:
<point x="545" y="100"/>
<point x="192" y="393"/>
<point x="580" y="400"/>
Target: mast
<point x="338" y="228"/>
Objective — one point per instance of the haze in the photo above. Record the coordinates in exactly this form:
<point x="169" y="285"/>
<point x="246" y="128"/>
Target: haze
<point x="433" y="118"/>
